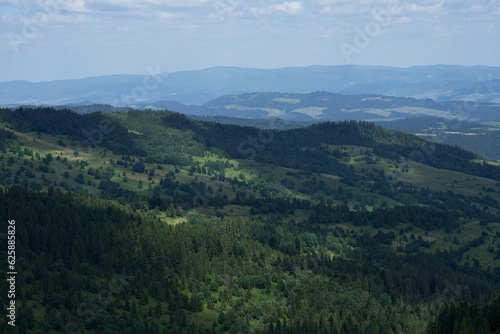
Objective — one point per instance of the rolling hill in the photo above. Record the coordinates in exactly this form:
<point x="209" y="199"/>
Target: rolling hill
<point x="321" y="106"/>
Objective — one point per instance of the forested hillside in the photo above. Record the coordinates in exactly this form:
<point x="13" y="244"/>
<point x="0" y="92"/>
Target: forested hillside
<point x="152" y="222"/>
<point x="92" y="266"/>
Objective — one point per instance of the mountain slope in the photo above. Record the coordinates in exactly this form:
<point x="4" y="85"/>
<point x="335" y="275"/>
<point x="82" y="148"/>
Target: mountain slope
<point x="152" y="222"/>
<point x="361" y="156"/>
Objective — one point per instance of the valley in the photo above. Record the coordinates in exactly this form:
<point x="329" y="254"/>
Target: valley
<point x="235" y="167"/>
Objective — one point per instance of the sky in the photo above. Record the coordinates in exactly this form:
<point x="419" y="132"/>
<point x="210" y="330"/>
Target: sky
<point x="45" y="40"/>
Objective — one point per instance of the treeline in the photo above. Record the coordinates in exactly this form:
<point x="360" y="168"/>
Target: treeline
<point x="303" y="148"/>
<point x="425" y="218"/>
<point x="85" y="132"/>
<point x="5" y="136"/>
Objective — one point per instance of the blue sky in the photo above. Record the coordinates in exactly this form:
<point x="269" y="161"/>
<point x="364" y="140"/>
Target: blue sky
<point x="63" y="39"/>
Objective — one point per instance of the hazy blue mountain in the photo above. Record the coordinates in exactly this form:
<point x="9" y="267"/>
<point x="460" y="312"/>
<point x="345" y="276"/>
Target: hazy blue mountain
<point x="439" y="82"/>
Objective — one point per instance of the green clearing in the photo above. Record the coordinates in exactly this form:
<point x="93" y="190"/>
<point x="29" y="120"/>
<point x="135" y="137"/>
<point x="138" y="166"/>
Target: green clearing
<point x="68" y="167"/>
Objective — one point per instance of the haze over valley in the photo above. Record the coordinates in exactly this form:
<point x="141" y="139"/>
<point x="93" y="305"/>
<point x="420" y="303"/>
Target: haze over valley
<point x="440" y="83"/>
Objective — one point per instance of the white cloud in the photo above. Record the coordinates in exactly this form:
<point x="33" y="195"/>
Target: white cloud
<point x="477" y="9"/>
<point x="427" y="8"/>
<point x="68" y="19"/>
<point x="480" y="9"/>
<point x="359" y="3"/>
<point x="149" y="3"/>
<point x="123" y="29"/>
<point x="347" y="9"/>
<point x="362" y="7"/>
<point x="427" y="3"/>
<point x="289" y="8"/>
<point x="167" y="15"/>
<point x="403" y="19"/>
<point x="76" y="6"/>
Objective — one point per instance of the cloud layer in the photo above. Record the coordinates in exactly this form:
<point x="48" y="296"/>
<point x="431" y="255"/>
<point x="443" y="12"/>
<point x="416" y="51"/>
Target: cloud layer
<point x="124" y="36"/>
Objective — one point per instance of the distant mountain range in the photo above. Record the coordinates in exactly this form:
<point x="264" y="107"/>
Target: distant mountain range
<point x="439" y="82"/>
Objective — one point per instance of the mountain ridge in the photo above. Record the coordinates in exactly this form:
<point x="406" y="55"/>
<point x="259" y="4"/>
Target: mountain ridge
<point x="440" y="82"/>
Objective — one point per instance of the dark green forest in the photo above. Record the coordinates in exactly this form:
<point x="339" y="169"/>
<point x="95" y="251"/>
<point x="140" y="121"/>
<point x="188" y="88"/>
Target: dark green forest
<point x="151" y="222"/>
<point x="93" y="266"/>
